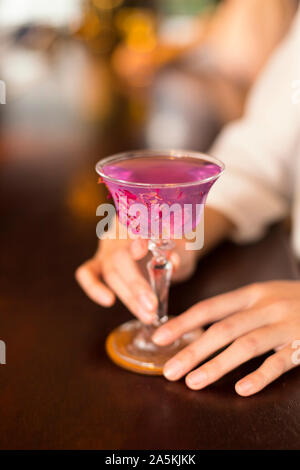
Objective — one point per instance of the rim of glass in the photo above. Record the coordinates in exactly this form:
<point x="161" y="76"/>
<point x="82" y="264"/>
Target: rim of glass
<point x="164" y="152"/>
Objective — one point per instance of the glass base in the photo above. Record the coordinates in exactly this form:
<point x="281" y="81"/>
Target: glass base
<point x="130" y="347"/>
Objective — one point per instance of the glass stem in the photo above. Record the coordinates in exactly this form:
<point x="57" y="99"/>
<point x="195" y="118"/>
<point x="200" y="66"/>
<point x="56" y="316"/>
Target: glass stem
<point x="160" y="271"/>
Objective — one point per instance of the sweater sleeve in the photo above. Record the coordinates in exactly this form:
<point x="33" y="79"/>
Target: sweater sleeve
<point x="258" y="150"/>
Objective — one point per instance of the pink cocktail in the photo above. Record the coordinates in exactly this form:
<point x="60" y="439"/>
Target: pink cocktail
<point x="159" y="195"/>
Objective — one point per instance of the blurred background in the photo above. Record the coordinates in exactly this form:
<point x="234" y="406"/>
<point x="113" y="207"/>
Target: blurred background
<point x="86" y="78"/>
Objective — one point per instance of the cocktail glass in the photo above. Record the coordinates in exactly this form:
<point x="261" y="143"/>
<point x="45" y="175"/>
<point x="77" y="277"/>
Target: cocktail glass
<point x="144" y="185"/>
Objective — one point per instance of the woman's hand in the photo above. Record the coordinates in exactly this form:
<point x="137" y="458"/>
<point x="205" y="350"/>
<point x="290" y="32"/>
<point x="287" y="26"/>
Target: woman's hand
<point x="250" y="321"/>
<point x="113" y="271"/>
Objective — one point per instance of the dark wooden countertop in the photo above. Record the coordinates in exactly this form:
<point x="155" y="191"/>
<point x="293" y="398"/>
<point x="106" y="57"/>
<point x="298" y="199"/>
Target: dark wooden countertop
<point x="59" y="389"/>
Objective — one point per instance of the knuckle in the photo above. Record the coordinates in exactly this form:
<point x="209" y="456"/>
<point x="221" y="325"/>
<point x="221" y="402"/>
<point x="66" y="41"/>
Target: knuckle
<point x="171" y="329"/>
<point x="188" y="355"/>
<point x="279" y="308"/>
<point x="223" y="328"/>
<point x="269" y="289"/>
<point x="248" y="344"/>
<point x="82" y="269"/>
<point x="84" y="280"/>
<point x="276" y="363"/>
<point x="257" y="289"/>
<point x="258" y="378"/>
<point x="175" y="327"/>
<point x="206" y="307"/>
<point x="193" y="312"/>
<point x="78" y="272"/>
<point x="213" y="369"/>
<point x="214" y="329"/>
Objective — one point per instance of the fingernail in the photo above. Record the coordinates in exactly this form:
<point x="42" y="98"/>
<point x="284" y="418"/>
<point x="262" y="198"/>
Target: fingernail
<point x="147" y="301"/>
<point x="161" y="336"/>
<point x="244" y="386"/>
<point x="173" y="370"/>
<point x="197" y="379"/>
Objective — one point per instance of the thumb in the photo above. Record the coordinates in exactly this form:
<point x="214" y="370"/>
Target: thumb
<point x="175" y="258"/>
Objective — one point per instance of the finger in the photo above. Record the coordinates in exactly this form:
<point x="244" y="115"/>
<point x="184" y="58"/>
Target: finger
<point x="136" y="283"/>
<point x="204" y="312"/>
<point x="175" y="259"/>
<point x="217" y="336"/>
<point x="125" y="294"/>
<point x="241" y="350"/>
<point x="272" y="368"/>
<point x="139" y="248"/>
<point x="87" y="275"/>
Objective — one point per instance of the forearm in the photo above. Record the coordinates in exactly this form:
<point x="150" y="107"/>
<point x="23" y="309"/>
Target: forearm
<point x="217" y="227"/>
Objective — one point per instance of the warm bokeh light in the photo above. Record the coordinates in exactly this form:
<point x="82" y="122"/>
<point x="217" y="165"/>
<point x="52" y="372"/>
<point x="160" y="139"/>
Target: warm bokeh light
<point x="83" y="195"/>
<point x="138" y="28"/>
<point x="107" y="4"/>
<point x="91" y="26"/>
